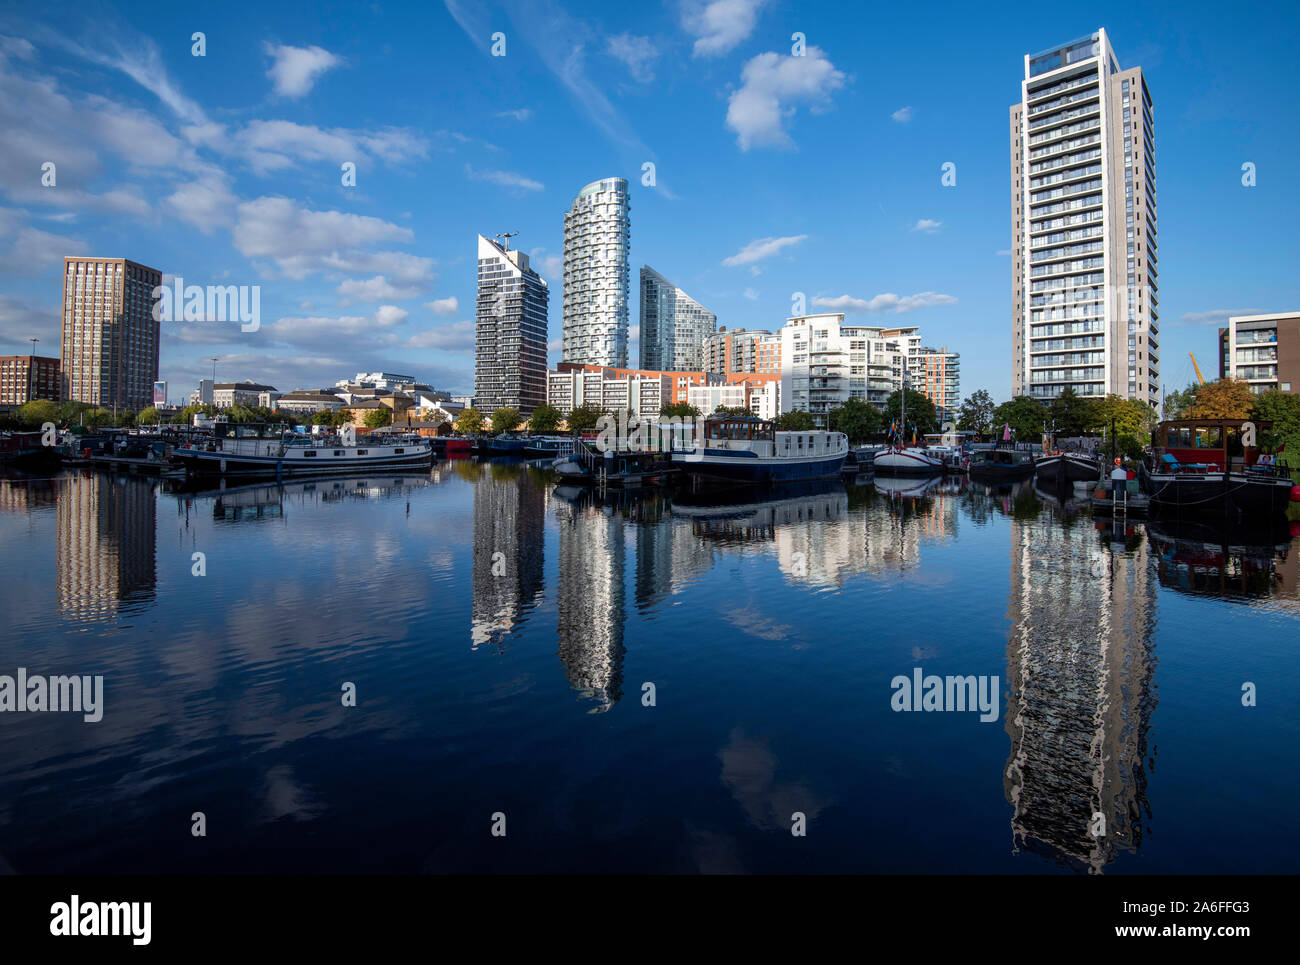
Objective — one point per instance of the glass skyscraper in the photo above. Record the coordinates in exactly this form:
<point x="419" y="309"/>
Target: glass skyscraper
<point x="673" y="326"/>
<point x="597" y="238"/>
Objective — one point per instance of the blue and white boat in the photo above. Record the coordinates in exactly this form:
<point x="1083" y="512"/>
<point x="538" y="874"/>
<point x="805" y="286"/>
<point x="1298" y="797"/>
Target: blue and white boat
<point x="750" y="450"/>
<point x="265" y="450"/>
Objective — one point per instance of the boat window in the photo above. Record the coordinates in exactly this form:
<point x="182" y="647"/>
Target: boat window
<point x="1207" y="437"/>
<point x="338" y="452"/>
<point x="1184" y="438"/>
<point x="362" y="452"/>
<point x="309" y="454"/>
<point x="399" y="449"/>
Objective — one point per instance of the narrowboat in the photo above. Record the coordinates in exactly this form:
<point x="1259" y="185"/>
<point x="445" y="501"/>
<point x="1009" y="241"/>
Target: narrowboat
<point x="552" y="447"/>
<point x="263" y="449"/>
<point x="1001" y="465"/>
<point x="1063" y="467"/>
<point x="746" y="449"/>
<point x="1214" y="466"/>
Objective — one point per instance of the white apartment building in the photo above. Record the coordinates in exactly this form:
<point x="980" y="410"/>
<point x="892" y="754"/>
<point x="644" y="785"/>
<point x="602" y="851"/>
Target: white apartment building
<point x="597" y="241"/>
<point x="644" y="395"/>
<point x="825" y="362"/>
<point x="1083" y="215"/>
<point x="762" y="398"/>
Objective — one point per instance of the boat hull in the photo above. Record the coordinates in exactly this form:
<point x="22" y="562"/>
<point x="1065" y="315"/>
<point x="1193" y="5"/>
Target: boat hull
<point x="1001" y="474"/>
<point x="1218" y="492"/>
<point x="904" y="463"/>
<point x="1068" y="468"/>
<point x="741" y="466"/>
<point x="197" y="463"/>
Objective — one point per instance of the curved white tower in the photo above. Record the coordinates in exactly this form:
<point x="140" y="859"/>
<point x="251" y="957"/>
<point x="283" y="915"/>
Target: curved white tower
<point x="597" y="237"/>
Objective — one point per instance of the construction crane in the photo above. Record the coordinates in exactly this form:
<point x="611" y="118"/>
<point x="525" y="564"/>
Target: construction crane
<point x="507" y="236"/>
<point x="1197" y="367"/>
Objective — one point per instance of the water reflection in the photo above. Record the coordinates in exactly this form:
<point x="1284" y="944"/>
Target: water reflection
<point x="1080" y="668"/>
<point x="1234" y="562"/>
<point x="105" y="543"/>
<point x="509" y="525"/>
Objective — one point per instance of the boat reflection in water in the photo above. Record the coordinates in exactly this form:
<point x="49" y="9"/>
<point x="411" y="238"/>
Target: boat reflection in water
<point x="1220" y="559"/>
<point x="1080" y="673"/>
<point x="252" y="501"/>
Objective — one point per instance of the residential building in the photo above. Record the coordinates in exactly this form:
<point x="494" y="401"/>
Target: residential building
<point x="760" y="394"/>
<point x="1083" y="214"/>
<point x="938" y="376"/>
<point x="597" y="239"/>
<point x="203" y="394"/>
<point x="742" y="350"/>
<point x="27" y="377"/>
<point x="1262" y="350"/>
<point x="509" y="331"/>
<point x="610" y="390"/>
<point x="825" y="362"/>
<point x="226" y="394"/>
<point x="109" y="333"/>
<point x="308" y="402"/>
<point x="673" y="325"/>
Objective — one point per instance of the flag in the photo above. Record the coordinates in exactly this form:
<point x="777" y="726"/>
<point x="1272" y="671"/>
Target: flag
<point x="1281" y="448"/>
<point x="1006" y="432"/>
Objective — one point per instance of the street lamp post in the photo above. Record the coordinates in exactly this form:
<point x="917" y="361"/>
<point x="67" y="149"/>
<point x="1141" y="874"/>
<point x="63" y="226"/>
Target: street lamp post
<point x="31" y="371"/>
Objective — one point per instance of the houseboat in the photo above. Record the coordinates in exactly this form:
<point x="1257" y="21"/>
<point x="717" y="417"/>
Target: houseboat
<point x="1215" y="466"/>
<point x="263" y="449"/>
<point x="544" y="447"/>
<point x="907" y="461"/>
<point x="1001" y="465"/>
<point x="746" y="449"/>
<point x="1068" y="467"/>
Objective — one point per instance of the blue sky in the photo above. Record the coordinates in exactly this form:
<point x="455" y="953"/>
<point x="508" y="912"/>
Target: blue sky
<point x="774" y="174"/>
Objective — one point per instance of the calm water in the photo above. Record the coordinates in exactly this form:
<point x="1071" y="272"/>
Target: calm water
<point x="500" y="633"/>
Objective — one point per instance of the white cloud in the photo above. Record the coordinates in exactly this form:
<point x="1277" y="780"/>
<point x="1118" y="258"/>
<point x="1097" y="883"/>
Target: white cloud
<point x="771" y="86"/>
<point x="444" y="306"/>
<point x="719" y="26"/>
<point x="506" y="179"/>
<point x="321" y="330"/>
<point x="519" y="113"/>
<point x="275" y="145"/>
<point x="902" y="115"/>
<point x="548" y="266"/>
<point x="33" y="250"/>
<point x="927" y="225"/>
<point x="885" y="302"/>
<point x="206" y="203"/>
<point x="638" y="54"/>
<point x="375" y="289"/>
<point x="296" y="69"/>
<point x="751" y="294"/>
<point x="454" y="337"/>
<point x="762" y="248"/>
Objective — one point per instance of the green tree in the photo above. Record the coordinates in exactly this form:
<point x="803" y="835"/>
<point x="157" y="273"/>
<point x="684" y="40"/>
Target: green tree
<point x="378" y="418"/>
<point x="1224" y="399"/>
<point x="583" y="418"/>
<point x="857" y="419"/>
<point x="36" y="413"/>
<point x="470" y="421"/>
<point x="97" y="418"/>
<point x="976" y="413"/>
<point x="125" y="420"/>
<point x="323" y="417"/>
<point x="681" y="410"/>
<point x="921" y="414"/>
<point x="1131" y="417"/>
<point x="149" y="416"/>
<point x="71" y="413"/>
<point x="545" y="419"/>
<point x="505" y="419"/>
<point x="732" y="410"/>
<point x="796" y="421"/>
<point x="1070" y="414"/>
<point x="1178" y="403"/>
<point x="1026" y="416"/>
<point x="1283" y="410"/>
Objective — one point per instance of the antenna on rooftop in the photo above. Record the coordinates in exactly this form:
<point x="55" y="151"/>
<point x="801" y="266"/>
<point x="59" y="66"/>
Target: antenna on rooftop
<point x="507" y="236"/>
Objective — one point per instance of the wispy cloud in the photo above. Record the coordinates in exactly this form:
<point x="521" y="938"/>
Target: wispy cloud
<point x="295" y="70"/>
<point x="519" y="113"/>
<point x="887" y="302"/>
<point x="506" y="179"/>
<point x="902" y="115"/>
<point x="1218" y="316"/>
<point x="444" y="306"/>
<point x="760" y="249"/>
<point x="927" y="225"/>
<point x="638" y="54"/>
<point x="772" y="85"/>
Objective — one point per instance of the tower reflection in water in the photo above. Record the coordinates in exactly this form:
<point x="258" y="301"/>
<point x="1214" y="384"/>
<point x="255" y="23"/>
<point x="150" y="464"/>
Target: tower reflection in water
<point x="105" y="543"/>
<point x="1081" y="692"/>
<point x="509" y="530"/>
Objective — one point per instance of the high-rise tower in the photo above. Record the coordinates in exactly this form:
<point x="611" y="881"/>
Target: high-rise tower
<point x="673" y="326"/>
<point x="597" y="237"/>
<point x="509" y="331"/>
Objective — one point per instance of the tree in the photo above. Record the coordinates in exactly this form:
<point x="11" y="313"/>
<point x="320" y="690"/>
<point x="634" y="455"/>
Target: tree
<point x="921" y="415"/>
<point x="1224" y="399"/>
<point x="680" y="410"/>
<point x="796" y="421"/>
<point x="732" y="410"/>
<point x="470" y="421"/>
<point x="976" y="413"/>
<point x="97" y="418"/>
<point x="505" y="419"/>
<point x="545" y="419"/>
<point x="1179" y="402"/>
<point x="1131" y="417"/>
<point x="1026" y="416"/>
<point x="187" y="414"/>
<point x="1283" y="410"/>
<point x="125" y="419"/>
<point x="857" y="419"/>
<point x="583" y="418"/>
<point x="322" y="417"/>
<point x="378" y="418"/>
<point x="149" y="416"/>
<point x="36" y="413"/>
<point x="1070" y="414"/>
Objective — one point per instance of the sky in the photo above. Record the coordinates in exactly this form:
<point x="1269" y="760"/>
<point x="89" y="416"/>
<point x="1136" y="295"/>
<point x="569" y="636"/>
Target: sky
<point x="772" y="173"/>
